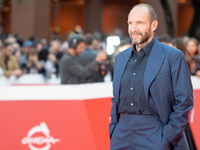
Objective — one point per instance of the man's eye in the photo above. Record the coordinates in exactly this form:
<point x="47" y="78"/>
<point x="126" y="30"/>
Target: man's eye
<point x="139" y="22"/>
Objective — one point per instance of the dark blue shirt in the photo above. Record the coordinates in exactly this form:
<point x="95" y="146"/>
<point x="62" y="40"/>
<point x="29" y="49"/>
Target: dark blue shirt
<point x="132" y="96"/>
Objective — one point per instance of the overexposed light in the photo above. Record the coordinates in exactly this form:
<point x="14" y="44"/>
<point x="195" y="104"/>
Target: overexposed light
<point x="113" y="40"/>
<point x="110" y="49"/>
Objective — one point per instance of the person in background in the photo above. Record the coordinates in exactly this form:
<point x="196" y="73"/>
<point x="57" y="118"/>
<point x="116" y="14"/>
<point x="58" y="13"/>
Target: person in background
<point x="121" y="47"/>
<point x="16" y="47"/>
<point x="41" y="50"/>
<point x="44" y="42"/>
<point x="185" y="38"/>
<point x="104" y="67"/>
<point x="192" y="48"/>
<point x="166" y="39"/>
<point x="96" y="45"/>
<point x="17" y="55"/>
<point x="10" y="39"/>
<point x="54" y="56"/>
<point x="87" y="57"/>
<point x="64" y="47"/>
<point x="8" y="62"/>
<point x="179" y="44"/>
<point x="24" y="57"/>
<point x="71" y="71"/>
<point x="19" y="39"/>
<point x="33" y="64"/>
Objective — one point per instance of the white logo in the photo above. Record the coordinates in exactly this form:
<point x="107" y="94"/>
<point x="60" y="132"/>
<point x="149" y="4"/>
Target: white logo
<point x="39" y="140"/>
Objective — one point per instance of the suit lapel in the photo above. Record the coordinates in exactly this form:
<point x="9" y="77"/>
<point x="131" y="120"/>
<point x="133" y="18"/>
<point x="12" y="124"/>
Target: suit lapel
<point x="122" y="60"/>
<point x="154" y="63"/>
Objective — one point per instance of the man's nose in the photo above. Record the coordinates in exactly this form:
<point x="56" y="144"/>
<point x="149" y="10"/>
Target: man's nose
<point x="133" y="28"/>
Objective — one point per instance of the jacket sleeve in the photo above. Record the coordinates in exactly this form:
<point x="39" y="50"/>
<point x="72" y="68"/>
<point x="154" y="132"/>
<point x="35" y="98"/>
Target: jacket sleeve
<point x="78" y="70"/>
<point x="113" y="114"/>
<point x="183" y="99"/>
<point x="14" y="65"/>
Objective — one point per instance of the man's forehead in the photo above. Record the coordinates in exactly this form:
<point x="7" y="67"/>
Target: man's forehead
<point x="139" y="12"/>
<point x="140" y="8"/>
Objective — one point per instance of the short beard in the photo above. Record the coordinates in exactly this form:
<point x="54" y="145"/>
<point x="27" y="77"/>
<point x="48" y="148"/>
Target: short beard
<point x="143" y="39"/>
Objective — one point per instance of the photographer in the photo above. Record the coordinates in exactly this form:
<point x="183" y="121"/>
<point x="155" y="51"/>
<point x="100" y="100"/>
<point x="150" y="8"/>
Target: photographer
<point x="71" y="70"/>
<point x="33" y="65"/>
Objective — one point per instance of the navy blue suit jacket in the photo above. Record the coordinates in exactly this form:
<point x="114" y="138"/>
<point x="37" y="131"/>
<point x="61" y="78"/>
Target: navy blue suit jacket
<point x="167" y="86"/>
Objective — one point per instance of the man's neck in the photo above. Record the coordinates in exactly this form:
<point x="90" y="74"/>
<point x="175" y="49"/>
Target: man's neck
<point x="71" y="52"/>
<point x="141" y="45"/>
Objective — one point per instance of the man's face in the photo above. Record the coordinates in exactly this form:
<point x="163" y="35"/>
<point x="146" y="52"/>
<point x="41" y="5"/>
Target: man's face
<point x="80" y="49"/>
<point x="9" y="51"/>
<point x="139" y="25"/>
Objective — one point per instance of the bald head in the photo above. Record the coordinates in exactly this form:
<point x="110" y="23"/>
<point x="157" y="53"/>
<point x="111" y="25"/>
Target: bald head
<point x="151" y="11"/>
<point x="141" y="24"/>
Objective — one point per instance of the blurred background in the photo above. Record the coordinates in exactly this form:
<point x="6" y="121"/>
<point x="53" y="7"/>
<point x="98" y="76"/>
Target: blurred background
<point x="33" y="40"/>
<point x="41" y="17"/>
<point x="39" y="31"/>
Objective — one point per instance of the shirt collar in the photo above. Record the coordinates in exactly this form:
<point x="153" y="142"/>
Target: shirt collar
<point x="146" y="48"/>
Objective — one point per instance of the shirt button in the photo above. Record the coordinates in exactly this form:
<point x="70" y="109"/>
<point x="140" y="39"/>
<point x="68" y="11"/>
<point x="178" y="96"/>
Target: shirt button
<point x="131" y="104"/>
<point x="136" y="60"/>
<point x="131" y="88"/>
<point x="133" y="73"/>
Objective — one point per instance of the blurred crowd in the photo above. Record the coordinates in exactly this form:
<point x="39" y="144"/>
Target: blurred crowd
<point x="190" y="47"/>
<point x="45" y="56"/>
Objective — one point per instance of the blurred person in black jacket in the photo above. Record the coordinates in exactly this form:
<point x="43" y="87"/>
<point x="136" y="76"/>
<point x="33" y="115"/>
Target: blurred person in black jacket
<point x="33" y="65"/>
<point x="54" y="56"/>
<point x="41" y="50"/>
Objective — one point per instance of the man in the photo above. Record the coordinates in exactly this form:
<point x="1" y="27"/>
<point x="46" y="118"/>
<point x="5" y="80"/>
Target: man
<point x="88" y="56"/>
<point x="71" y="70"/>
<point x="8" y="62"/>
<point x="89" y="53"/>
<point x="152" y="90"/>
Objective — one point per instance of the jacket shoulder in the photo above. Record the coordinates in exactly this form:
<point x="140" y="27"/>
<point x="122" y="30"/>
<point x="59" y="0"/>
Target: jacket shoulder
<point x="172" y="52"/>
<point x="170" y="49"/>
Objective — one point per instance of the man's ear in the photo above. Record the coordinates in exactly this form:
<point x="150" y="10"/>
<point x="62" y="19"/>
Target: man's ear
<point x="154" y="25"/>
